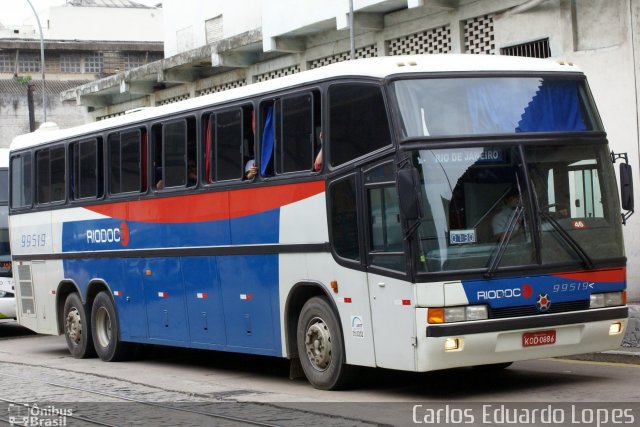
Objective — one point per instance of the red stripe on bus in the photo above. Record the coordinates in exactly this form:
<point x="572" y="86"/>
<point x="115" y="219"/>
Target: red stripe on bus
<point x="210" y="206"/>
<point x="598" y="276"/>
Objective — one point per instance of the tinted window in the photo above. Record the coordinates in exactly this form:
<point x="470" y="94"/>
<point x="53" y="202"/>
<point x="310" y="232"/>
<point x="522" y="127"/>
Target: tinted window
<point x="4" y="186"/>
<point x="296" y="145"/>
<point x="125" y="162"/>
<point x="358" y="121"/>
<point x="344" y="218"/>
<point x="290" y="134"/>
<point x="50" y="165"/>
<point x="386" y="247"/>
<point x="21" y="185"/>
<point x="86" y="180"/>
<point x="228" y="142"/>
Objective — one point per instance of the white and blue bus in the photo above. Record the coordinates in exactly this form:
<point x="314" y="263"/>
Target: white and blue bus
<point x="412" y="213"/>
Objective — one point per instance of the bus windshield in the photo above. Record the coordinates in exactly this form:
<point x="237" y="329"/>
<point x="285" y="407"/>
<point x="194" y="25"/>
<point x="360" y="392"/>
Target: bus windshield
<point x="473" y="197"/>
<point x="494" y="105"/>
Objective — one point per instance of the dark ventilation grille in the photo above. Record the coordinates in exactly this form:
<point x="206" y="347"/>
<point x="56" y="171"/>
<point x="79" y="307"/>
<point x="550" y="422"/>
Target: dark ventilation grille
<point x="530" y="310"/>
<point x="536" y="49"/>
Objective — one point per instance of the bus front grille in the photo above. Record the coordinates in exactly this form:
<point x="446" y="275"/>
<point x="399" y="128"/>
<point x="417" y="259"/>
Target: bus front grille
<point x="531" y="310"/>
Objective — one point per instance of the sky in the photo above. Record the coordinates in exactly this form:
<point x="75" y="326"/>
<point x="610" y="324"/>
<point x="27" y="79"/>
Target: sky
<point x="13" y="12"/>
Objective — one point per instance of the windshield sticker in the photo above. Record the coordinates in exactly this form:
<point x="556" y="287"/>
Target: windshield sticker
<point x="462" y="237"/>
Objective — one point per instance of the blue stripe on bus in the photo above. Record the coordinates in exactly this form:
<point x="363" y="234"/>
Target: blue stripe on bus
<point x="525" y="290"/>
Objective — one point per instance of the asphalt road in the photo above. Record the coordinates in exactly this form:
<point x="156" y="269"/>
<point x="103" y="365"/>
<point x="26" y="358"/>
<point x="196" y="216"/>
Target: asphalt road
<point x="378" y="396"/>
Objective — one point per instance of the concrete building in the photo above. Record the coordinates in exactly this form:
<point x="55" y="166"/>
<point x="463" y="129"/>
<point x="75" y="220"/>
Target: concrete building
<point x="216" y="45"/>
<point x="80" y="46"/>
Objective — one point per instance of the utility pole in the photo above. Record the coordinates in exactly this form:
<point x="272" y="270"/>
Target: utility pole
<point x="352" y="32"/>
<point x="44" y="104"/>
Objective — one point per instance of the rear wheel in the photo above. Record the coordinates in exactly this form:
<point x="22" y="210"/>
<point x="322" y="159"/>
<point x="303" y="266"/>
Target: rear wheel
<point x="106" y="331"/>
<point x="77" y="329"/>
<point x="320" y="346"/>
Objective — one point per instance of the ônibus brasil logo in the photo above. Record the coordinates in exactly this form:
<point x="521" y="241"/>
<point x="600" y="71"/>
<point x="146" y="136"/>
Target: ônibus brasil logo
<point x="109" y="235"/>
<point x="524" y="291"/>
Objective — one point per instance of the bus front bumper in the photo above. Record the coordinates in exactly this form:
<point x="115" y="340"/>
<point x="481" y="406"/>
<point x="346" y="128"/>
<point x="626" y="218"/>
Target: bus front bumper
<point x="502" y="340"/>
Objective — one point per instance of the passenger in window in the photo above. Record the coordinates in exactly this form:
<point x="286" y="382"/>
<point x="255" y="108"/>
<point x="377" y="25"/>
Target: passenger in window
<point x="317" y="164"/>
<point x="159" y="181"/>
<point x="192" y="173"/>
<point x="250" y="169"/>
<point x="500" y="221"/>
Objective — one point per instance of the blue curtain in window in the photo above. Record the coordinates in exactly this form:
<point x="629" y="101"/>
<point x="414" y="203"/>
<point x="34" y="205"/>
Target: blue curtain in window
<point x="554" y="108"/>
<point x="266" y="150"/>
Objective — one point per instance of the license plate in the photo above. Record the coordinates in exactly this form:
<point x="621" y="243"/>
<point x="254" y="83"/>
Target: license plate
<point x="530" y="339"/>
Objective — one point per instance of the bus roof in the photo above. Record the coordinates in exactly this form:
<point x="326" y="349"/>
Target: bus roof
<point x="378" y="67"/>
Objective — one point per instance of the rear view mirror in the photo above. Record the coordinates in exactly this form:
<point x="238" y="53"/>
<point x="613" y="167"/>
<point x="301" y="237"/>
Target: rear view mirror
<point x="626" y="186"/>
<point x="626" y="191"/>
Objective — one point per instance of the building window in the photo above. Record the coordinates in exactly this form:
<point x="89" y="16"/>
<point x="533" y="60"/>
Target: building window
<point x="94" y="63"/>
<point x="479" y="35"/>
<point x="6" y="63"/>
<point x="535" y="49"/>
<point x="70" y="63"/>
<point x="132" y="60"/>
<point x="28" y="62"/>
<point x="436" y="40"/>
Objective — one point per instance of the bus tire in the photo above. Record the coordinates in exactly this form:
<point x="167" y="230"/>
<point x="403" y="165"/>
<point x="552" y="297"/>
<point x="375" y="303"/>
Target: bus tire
<point x="77" y="329"/>
<point x="106" y="330"/>
<point x="320" y="346"/>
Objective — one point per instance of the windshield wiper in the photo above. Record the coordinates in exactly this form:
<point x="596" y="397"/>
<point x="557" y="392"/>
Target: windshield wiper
<point x="586" y="259"/>
<point x="504" y="241"/>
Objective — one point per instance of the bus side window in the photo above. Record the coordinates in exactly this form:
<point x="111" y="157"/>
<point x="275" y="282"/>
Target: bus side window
<point x="344" y="218"/>
<point x="289" y="133"/>
<point x="228" y="163"/>
<point x="386" y="248"/>
<point x="21" y="185"/>
<point x="175" y="154"/>
<point x="357" y="120"/>
<point x="295" y="149"/>
<point x="125" y="161"/>
<point x="86" y="169"/>
<point x="50" y="175"/>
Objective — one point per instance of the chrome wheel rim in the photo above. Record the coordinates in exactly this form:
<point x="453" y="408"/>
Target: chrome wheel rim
<point x="318" y="344"/>
<point x="73" y="325"/>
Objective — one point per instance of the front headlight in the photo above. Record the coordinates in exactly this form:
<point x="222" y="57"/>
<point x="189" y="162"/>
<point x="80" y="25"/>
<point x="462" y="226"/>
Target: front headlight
<point x="457" y="314"/>
<point x="608" y="299"/>
<point x="3" y="294"/>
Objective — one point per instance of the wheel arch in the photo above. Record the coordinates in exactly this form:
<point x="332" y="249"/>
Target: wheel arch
<point x="65" y="288"/>
<point x="299" y="294"/>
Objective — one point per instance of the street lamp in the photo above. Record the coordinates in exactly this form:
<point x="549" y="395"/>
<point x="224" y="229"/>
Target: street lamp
<point x="44" y="105"/>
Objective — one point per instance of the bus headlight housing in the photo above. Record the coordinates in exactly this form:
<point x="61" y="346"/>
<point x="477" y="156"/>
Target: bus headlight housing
<point x="457" y="314"/>
<point x="607" y="299"/>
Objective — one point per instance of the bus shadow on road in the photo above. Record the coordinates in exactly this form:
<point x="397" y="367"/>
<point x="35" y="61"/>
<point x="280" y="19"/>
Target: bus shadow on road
<point x="452" y="383"/>
<point x="11" y="329"/>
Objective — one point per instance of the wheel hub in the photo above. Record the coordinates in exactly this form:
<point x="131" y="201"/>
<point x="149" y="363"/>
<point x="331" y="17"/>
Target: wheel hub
<point x="74" y="325"/>
<point x="103" y="327"/>
<point x="318" y="344"/>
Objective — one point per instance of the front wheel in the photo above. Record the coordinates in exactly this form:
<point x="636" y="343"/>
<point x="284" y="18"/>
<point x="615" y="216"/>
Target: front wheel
<point x="77" y="330"/>
<point x="106" y="331"/>
<point x="320" y="346"/>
